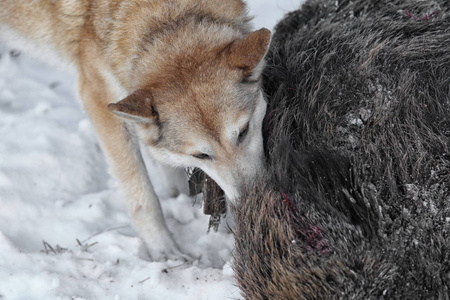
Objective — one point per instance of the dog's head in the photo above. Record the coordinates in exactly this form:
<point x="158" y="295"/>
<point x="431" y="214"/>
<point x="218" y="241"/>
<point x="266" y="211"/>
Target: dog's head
<point x="205" y="109"/>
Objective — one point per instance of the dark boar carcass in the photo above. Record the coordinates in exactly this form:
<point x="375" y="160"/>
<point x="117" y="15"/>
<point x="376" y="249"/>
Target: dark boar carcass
<point x="356" y="200"/>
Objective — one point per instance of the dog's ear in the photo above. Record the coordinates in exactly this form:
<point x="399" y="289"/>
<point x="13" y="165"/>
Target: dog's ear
<point x="139" y="107"/>
<point x="248" y="53"/>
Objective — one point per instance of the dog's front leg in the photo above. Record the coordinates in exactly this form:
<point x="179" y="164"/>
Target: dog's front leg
<point x="122" y="151"/>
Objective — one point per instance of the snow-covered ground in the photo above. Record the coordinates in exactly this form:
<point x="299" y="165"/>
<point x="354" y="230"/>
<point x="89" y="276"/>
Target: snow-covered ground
<point x="64" y="230"/>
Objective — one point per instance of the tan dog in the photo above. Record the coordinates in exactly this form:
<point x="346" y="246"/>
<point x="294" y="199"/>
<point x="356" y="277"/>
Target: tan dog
<point x="186" y="72"/>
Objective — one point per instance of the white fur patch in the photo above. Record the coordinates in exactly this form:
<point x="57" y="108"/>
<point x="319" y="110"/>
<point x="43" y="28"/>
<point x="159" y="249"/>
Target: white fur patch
<point x="114" y="85"/>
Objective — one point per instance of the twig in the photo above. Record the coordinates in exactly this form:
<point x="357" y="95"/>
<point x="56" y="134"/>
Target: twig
<point x="82" y="258"/>
<point x="86" y="246"/>
<point x="142" y="281"/>
<point x="48" y="248"/>
<point x="100" y="232"/>
<point x="166" y="270"/>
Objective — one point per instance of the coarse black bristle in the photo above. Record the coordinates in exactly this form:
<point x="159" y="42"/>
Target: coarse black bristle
<point x="356" y="200"/>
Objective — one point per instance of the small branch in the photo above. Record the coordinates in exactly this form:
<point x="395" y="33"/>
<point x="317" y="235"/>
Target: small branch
<point x="100" y="232"/>
<point x="48" y="248"/>
<point x="142" y="281"/>
<point x="166" y="270"/>
<point x="86" y="246"/>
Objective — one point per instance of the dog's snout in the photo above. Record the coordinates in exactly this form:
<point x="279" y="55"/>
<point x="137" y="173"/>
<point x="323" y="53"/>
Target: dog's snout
<point x="232" y="193"/>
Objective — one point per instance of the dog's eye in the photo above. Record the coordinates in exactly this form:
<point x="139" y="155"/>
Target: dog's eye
<point x="243" y="133"/>
<point x="202" y="156"/>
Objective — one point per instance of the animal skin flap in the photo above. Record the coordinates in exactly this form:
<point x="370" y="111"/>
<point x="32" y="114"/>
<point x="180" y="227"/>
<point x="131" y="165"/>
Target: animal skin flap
<point x="213" y="198"/>
<point x="214" y="202"/>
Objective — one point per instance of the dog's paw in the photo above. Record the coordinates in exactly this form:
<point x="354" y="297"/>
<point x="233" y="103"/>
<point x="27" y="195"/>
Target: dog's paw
<point x="169" y="252"/>
<point x="163" y="248"/>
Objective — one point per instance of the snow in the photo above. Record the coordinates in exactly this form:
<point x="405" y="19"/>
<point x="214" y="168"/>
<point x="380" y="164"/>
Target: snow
<point x="64" y="229"/>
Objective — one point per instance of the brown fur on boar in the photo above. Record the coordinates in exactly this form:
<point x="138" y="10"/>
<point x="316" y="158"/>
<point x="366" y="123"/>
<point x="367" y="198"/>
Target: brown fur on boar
<point x="356" y="202"/>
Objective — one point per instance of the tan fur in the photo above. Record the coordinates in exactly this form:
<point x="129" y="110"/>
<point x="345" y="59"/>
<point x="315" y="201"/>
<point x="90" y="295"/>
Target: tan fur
<point x="180" y="68"/>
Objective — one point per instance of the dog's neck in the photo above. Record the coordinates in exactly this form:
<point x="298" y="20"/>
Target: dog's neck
<point x="174" y="29"/>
